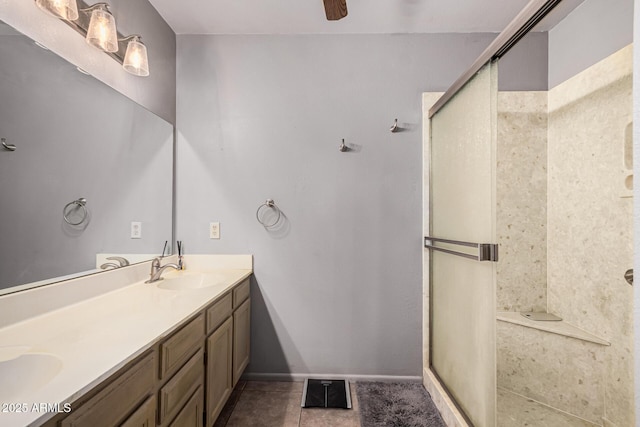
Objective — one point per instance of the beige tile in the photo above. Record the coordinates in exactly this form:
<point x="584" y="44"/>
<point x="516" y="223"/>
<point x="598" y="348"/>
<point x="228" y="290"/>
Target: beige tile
<point x="517" y="411"/>
<point x="288" y="386"/>
<point x="354" y="397"/>
<point x="521" y="201"/>
<point x="562" y="372"/>
<point x="226" y="412"/>
<point x="266" y="409"/>
<point x="318" y="417"/>
<point x="590" y="242"/>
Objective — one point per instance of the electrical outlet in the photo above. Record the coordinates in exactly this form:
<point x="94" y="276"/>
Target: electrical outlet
<point x="214" y="230"/>
<point x="136" y="230"/>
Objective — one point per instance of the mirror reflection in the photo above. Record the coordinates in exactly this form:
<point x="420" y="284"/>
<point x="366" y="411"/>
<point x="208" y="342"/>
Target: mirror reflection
<point x="75" y="148"/>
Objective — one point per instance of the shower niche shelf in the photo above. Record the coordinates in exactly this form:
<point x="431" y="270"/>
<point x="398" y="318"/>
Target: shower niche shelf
<point x="560" y="328"/>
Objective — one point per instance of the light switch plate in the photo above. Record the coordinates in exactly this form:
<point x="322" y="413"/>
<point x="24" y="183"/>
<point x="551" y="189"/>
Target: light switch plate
<point x="136" y="230"/>
<point x="214" y="230"/>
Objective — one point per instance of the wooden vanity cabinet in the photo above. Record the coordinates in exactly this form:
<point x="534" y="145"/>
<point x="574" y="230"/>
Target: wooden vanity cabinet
<point x="227" y="347"/>
<point x="183" y="381"/>
<point x="121" y="400"/>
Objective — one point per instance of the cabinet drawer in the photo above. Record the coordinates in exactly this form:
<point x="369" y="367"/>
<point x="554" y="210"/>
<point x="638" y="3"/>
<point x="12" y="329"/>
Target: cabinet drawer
<point x="118" y="399"/>
<point x="145" y="415"/>
<point x="219" y="312"/>
<point x="177" y="349"/>
<point x="191" y="414"/>
<point x="240" y="293"/>
<point x="175" y="393"/>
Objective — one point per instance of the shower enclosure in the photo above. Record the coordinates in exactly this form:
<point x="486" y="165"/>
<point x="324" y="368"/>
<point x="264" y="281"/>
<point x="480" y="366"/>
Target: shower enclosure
<point x="530" y="211"/>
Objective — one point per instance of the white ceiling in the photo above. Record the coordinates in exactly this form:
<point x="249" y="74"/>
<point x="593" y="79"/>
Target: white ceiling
<point x="365" y="16"/>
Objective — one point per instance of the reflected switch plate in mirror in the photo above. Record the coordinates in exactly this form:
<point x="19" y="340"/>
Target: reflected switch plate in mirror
<point x="136" y="230"/>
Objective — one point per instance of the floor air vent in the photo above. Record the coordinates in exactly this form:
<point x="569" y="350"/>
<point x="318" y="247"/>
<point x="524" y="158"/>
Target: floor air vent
<point x="326" y="394"/>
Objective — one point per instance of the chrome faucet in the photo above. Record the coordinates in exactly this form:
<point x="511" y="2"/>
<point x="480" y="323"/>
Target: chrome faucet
<point x="156" y="270"/>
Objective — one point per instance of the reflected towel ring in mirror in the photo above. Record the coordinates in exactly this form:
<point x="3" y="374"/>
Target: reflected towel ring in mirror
<point x="268" y="204"/>
<point x="80" y="203"/>
<point x="9" y="147"/>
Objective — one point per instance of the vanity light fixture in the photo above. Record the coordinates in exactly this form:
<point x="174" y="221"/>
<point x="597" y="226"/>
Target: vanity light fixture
<point x="102" y="31"/>
<point x="135" y="58"/>
<point x="98" y="26"/>
<point x="63" y="9"/>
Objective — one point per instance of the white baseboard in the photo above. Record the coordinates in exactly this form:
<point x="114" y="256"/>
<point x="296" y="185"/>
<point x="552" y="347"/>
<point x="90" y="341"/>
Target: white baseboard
<point x="251" y="376"/>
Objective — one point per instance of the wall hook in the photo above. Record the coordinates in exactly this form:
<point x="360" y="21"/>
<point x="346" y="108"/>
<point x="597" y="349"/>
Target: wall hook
<point x="343" y="147"/>
<point x="9" y="147"/>
<point x="394" y="128"/>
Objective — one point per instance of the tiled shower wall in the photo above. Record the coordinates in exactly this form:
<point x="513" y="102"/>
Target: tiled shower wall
<point x="565" y="232"/>
<point x="521" y="195"/>
<point x="590" y="217"/>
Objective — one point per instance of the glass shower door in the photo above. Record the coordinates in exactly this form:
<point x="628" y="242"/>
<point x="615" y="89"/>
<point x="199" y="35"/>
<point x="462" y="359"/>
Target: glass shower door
<point x="462" y="230"/>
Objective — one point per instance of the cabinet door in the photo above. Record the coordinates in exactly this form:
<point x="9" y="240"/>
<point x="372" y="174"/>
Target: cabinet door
<point x="145" y="415"/>
<point x="191" y="414"/>
<point x="219" y="369"/>
<point x="175" y="393"/>
<point x="241" y="339"/>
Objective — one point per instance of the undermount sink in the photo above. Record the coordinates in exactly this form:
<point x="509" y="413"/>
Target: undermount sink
<point x="190" y="281"/>
<point x="24" y="373"/>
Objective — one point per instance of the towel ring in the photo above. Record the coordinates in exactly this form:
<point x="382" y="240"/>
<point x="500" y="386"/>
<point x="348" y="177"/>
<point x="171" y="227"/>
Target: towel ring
<point x="82" y="202"/>
<point x="268" y="204"/>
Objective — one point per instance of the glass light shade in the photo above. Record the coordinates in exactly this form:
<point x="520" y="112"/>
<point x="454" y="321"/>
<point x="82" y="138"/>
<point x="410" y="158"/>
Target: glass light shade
<point x="102" y="30"/>
<point x="63" y="9"/>
<point x="135" y="59"/>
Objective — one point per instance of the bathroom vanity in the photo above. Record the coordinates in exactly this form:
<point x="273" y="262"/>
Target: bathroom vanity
<point x="167" y="353"/>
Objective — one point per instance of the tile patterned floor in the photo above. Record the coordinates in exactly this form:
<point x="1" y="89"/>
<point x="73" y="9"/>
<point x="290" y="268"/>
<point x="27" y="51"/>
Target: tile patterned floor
<point x="277" y="404"/>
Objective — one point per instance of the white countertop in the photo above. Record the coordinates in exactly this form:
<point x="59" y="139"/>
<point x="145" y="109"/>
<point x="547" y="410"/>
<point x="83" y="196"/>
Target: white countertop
<point x="95" y="337"/>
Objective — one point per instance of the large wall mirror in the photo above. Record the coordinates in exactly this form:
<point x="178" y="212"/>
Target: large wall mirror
<point x="75" y="138"/>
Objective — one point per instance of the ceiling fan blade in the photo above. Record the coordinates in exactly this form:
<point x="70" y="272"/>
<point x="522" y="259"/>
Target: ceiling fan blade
<point x="335" y="9"/>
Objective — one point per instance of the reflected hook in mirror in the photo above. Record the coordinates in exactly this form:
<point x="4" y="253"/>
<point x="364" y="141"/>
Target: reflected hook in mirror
<point x="9" y="147"/>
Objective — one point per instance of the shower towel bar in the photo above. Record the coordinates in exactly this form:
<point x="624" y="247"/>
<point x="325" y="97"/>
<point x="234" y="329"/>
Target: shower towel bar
<point x="486" y="251"/>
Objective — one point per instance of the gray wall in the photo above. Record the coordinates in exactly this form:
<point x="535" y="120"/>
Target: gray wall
<point x="75" y="137"/>
<point x="156" y="92"/>
<point x="338" y="284"/>
<point x="593" y="31"/>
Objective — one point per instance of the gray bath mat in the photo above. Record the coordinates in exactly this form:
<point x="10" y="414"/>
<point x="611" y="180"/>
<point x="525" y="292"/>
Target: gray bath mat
<point x="396" y="405"/>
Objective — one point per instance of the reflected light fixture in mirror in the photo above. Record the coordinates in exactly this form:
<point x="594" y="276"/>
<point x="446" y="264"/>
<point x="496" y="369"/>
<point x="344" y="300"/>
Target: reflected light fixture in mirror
<point x="102" y="31"/>
<point x="63" y="9"/>
<point x="135" y="59"/>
